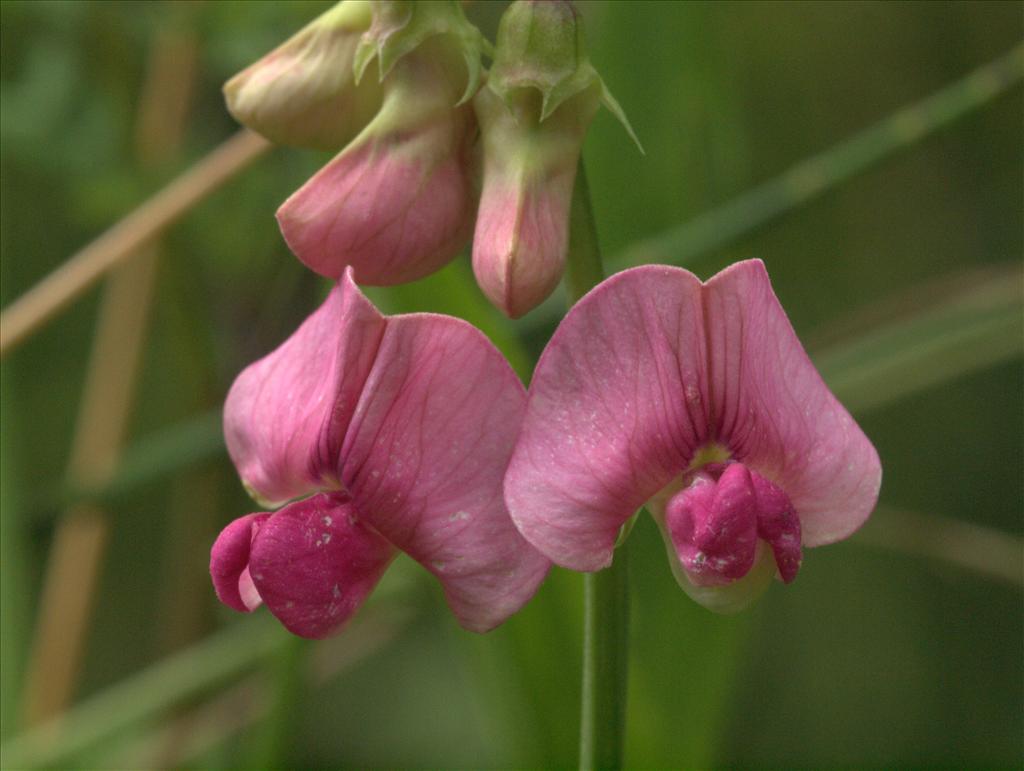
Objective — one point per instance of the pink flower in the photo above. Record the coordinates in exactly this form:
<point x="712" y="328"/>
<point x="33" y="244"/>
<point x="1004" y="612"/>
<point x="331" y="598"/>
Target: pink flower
<point x="698" y="400"/>
<point x="394" y="434"/>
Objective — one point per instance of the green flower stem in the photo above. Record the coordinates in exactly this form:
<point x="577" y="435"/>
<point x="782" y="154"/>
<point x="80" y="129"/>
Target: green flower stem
<point x="287" y="678"/>
<point x="583" y="270"/>
<point x="605" y="660"/>
<point x="606" y="594"/>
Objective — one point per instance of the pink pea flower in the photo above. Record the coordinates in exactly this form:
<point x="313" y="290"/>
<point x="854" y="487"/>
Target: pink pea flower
<point x="386" y="434"/>
<point x="698" y="400"/>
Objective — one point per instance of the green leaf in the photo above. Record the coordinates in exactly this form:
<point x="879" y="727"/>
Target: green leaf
<point x="977" y="327"/>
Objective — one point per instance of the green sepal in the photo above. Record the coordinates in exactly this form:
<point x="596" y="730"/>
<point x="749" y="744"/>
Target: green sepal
<point x="613" y="106"/>
<point x="401" y="26"/>
<point x="626" y="529"/>
<point x="541" y="45"/>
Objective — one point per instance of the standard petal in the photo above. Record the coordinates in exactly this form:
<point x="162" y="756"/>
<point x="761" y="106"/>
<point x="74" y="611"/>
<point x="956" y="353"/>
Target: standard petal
<point x="229" y="563"/>
<point x="616" y="410"/>
<point x="286" y="415"/>
<point x="776" y="415"/>
<point x="425" y="457"/>
<point x="315" y="562"/>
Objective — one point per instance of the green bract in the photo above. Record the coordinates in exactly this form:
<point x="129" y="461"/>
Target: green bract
<point x="541" y="46"/>
<point x="400" y="26"/>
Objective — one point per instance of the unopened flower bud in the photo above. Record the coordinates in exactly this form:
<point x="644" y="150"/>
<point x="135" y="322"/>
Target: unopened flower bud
<point x="534" y="111"/>
<point x="304" y="92"/>
<point x="397" y="203"/>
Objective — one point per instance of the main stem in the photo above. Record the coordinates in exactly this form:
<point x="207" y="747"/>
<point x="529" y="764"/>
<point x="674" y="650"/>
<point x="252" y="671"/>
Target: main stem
<point x="606" y="595"/>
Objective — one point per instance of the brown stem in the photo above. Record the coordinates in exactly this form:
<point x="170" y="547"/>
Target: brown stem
<point x="75" y="560"/>
<point x="123" y="240"/>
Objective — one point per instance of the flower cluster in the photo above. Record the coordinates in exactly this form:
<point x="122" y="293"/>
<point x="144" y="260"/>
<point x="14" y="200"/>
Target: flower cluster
<point x="377" y="435"/>
<point x="420" y="133"/>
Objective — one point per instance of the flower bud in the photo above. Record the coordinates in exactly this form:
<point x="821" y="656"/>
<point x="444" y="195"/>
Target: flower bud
<point x="304" y="93"/>
<point x="534" y="111"/>
<point x="397" y="203"/>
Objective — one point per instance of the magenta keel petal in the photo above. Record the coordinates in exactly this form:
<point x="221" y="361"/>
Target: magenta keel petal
<point x="229" y="563"/>
<point x="315" y="562"/>
<point x="716" y="521"/>
<point x="713" y="525"/>
<point x="778" y="525"/>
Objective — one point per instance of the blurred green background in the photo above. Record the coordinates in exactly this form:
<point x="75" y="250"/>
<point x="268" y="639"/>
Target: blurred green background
<point x="897" y="257"/>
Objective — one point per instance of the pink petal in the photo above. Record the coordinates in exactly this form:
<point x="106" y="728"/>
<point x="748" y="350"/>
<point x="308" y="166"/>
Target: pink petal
<point x="286" y="415"/>
<point x="315" y="562"/>
<point x="521" y="240"/>
<point x="229" y="563"/>
<point x="424" y="461"/>
<point x="616" y="411"/>
<point x="776" y="415"/>
<point x="386" y="212"/>
<point x="522" y="231"/>
<point x="778" y="525"/>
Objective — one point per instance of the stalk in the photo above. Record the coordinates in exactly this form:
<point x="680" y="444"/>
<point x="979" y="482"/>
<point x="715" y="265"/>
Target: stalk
<point x="606" y="594"/>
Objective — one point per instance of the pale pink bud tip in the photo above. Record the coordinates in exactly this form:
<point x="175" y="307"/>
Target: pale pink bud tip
<point x="520" y="244"/>
<point x="397" y="203"/>
<point x="392" y="213"/>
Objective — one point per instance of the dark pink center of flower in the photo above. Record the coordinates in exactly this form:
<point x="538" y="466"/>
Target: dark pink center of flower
<point x="716" y="521"/>
<point x="313" y="563"/>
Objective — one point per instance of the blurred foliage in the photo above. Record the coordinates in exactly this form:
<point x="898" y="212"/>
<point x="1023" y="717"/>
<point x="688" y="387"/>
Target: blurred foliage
<point x="872" y="658"/>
